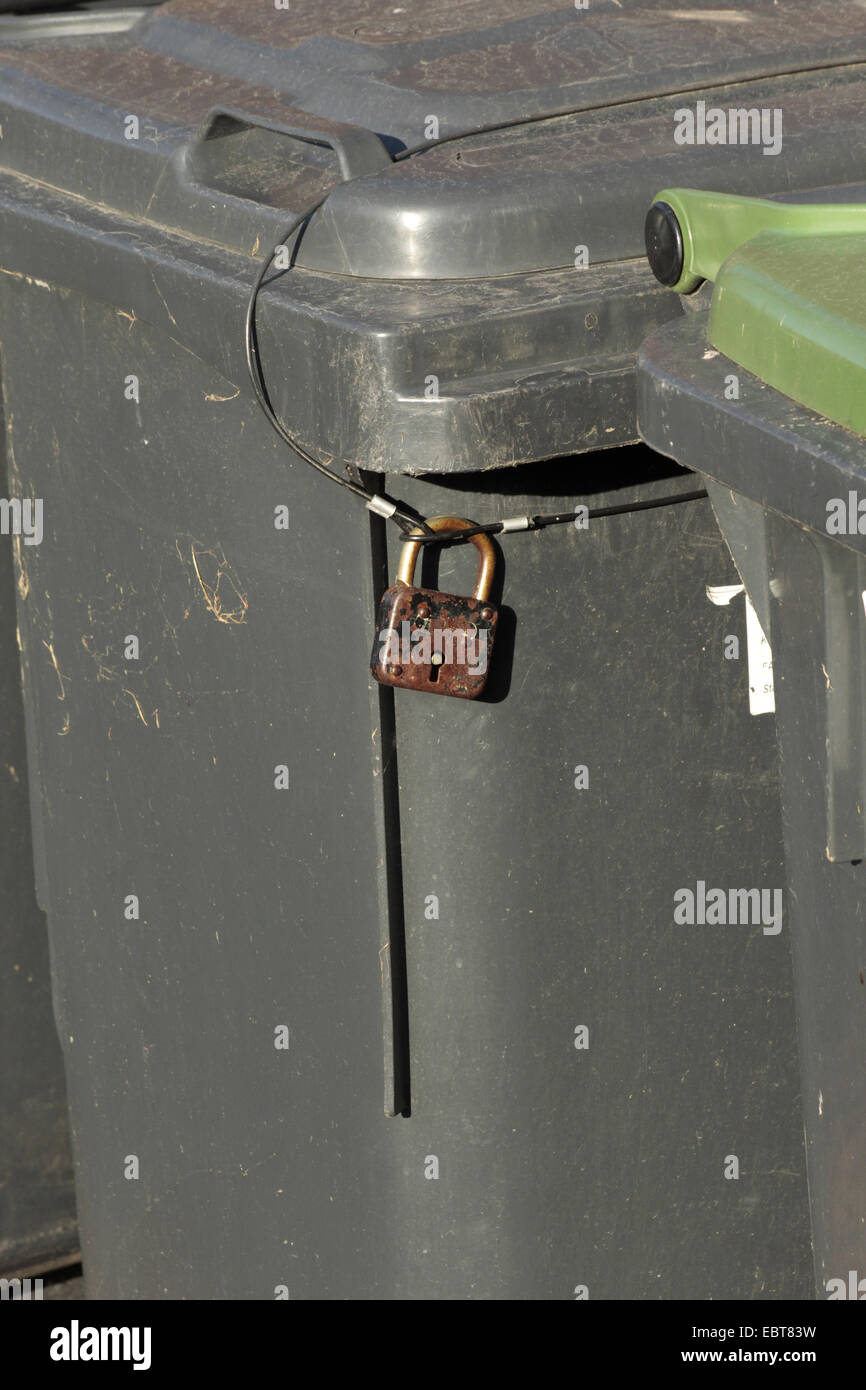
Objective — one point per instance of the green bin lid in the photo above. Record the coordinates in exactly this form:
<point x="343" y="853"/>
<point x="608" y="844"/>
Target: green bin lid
<point x="789" y="302"/>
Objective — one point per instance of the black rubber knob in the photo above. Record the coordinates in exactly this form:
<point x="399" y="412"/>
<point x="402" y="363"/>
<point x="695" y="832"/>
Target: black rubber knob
<point x="664" y="243"/>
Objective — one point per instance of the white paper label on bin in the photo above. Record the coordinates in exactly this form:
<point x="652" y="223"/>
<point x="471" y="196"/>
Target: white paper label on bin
<point x="762" y="696"/>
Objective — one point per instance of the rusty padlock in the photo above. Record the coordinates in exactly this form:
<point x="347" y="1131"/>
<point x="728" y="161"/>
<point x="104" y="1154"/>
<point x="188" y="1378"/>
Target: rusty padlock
<point x="440" y="643"/>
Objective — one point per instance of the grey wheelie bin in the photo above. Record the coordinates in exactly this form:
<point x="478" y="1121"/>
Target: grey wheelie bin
<point x="784" y="458"/>
<point x="277" y="889"/>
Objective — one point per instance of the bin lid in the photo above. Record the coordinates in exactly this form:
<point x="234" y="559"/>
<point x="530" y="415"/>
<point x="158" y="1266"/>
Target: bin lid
<point x="149" y="160"/>
<point x="756" y="442"/>
<point x="792" y="310"/>
<point x="789" y="298"/>
<point x="559" y="120"/>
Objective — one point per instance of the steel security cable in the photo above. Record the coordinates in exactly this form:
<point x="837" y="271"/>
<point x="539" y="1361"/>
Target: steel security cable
<point x="405" y="517"/>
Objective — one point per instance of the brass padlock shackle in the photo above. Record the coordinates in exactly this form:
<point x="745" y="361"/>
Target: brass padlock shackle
<point x="482" y="542"/>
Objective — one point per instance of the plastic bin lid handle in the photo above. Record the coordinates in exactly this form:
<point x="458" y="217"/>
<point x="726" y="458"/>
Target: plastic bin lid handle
<point x="691" y="233"/>
<point x="358" y="151"/>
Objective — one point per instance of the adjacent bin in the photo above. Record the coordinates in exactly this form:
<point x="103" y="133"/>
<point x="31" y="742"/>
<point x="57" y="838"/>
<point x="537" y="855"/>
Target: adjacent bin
<point x="784" y="457"/>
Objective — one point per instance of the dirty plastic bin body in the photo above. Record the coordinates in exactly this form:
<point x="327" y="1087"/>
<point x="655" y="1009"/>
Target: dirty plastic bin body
<point x="242" y="842"/>
<point x="785" y="483"/>
<point x="37" y="1195"/>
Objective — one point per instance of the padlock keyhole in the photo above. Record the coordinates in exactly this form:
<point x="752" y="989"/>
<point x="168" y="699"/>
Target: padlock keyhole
<point x="436" y="666"/>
